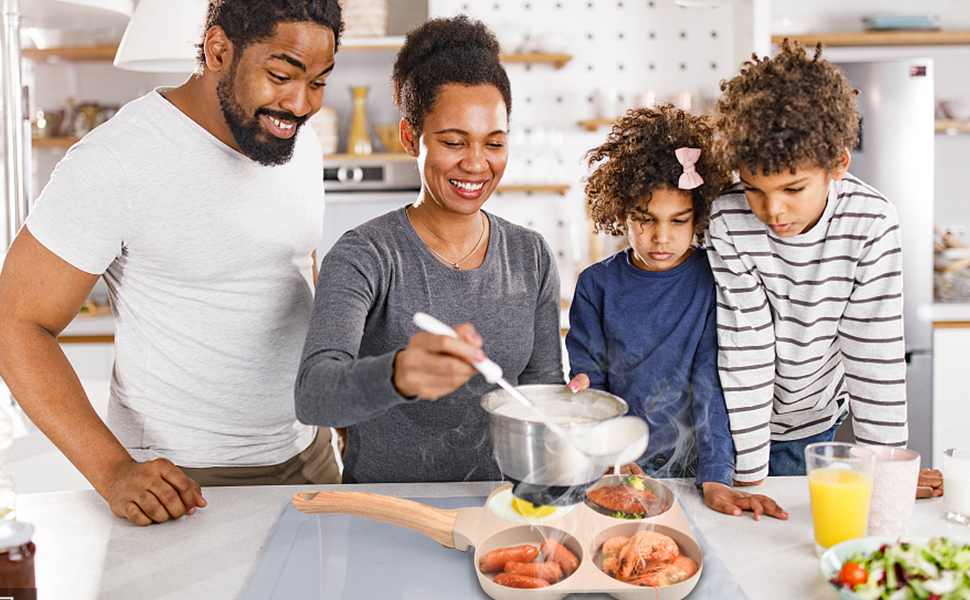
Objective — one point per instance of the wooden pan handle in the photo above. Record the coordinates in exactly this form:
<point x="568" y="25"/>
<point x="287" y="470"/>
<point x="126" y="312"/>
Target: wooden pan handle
<point x="433" y="522"/>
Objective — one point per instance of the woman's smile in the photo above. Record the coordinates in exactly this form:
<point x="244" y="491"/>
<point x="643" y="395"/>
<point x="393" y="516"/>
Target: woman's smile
<point x="469" y="189"/>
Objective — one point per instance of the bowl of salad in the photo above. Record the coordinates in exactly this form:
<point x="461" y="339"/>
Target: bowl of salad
<point x="890" y="568"/>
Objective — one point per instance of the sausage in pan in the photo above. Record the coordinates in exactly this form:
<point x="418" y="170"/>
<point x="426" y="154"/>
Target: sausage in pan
<point x="519" y="581"/>
<point x="553" y="550"/>
<point x="496" y="559"/>
<point x="549" y="571"/>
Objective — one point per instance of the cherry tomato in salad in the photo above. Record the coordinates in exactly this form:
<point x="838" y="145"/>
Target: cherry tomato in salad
<point x="853" y="574"/>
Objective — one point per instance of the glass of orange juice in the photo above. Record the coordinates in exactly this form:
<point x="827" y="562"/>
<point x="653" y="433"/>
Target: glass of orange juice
<point x="840" y="484"/>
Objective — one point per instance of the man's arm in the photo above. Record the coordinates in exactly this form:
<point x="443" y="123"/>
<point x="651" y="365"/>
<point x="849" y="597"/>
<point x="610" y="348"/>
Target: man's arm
<point x="316" y="271"/>
<point x="39" y="296"/>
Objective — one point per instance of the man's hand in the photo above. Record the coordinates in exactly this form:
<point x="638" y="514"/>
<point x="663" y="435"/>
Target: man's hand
<point x="433" y="366"/>
<point x="153" y="491"/>
<point x="730" y="501"/>
<point x="930" y="483"/>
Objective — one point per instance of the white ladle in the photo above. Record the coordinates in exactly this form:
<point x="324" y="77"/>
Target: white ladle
<point x="615" y="441"/>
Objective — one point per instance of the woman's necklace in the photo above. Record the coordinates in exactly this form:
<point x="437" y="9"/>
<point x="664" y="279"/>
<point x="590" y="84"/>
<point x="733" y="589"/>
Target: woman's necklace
<point x="454" y="265"/>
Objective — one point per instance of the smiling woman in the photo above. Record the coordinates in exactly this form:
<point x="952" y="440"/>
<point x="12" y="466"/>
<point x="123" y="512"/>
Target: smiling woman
<point x="365" y="366"/>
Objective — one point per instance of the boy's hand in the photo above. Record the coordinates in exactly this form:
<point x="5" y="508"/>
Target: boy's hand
<point x="930" y="483"/>
<point x="730" y="501"/>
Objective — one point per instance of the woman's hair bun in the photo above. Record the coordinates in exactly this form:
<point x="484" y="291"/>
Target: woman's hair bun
<point x="437" y="36"/>
<point x="445" y="50"/>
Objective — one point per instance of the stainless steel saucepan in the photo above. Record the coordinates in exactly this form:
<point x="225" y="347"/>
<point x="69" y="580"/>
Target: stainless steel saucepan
<point x="544" y="468"/>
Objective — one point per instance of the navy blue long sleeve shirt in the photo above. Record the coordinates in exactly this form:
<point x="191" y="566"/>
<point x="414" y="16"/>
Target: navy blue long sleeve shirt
<point x="650" y="337"/>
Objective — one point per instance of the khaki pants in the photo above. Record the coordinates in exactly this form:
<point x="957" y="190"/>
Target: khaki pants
<point x="315" y="465"/>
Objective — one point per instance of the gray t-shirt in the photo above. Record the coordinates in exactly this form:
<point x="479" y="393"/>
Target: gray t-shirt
<point x="207" y="258"/>
<point x="371" y="283"/>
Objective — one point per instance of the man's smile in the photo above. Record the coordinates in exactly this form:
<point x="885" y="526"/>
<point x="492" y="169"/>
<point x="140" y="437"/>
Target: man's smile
<point x="278" y="127"/>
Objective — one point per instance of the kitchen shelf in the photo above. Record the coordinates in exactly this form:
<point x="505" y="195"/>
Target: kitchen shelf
<point x="533" y="189"/>
<point x="557" y="60"/>
<point x="393" y="43"/>
<point x="880" y="38"/>
<point x="385" y="156"/>
<point x="108" y="52"/>
<point x="54" y="142"/>
<point x="86" y="339"/>
<point x="952" y="126"/>
<point x="594" y="124"/>
<point x="72" y="53"/>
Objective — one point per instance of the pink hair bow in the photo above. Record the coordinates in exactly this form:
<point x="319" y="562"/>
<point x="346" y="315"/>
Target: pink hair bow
<point x="688" y="158"/>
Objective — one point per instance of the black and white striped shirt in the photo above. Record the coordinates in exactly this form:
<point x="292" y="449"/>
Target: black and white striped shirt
<point x="809" y="324"/>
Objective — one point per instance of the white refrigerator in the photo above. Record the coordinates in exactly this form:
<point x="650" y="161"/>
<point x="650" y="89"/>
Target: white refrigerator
<point x="895" y="156"/>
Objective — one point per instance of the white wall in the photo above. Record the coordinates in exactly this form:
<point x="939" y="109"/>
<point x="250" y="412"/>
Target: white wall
<point x="635" y="47"/>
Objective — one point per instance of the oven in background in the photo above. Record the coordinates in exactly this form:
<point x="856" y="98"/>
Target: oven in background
<point x="362" y="189"/>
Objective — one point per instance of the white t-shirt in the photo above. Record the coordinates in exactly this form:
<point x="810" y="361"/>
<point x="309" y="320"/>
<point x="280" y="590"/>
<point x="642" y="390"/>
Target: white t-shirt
<point x="207" y="258"/>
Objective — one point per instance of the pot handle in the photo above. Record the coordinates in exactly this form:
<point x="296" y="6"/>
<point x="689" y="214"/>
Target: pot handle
<point x="433" y="522"/>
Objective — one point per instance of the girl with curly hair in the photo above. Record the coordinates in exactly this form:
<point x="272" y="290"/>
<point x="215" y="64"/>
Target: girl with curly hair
<point x="642" y="322"/>
<point x="808" y="268"/>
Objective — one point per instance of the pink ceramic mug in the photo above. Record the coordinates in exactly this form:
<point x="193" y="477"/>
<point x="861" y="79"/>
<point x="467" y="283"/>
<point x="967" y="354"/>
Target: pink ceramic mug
<point x="894" y="483"/>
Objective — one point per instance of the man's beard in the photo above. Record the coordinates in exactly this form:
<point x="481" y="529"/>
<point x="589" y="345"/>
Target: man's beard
<point x="253" y="140"/>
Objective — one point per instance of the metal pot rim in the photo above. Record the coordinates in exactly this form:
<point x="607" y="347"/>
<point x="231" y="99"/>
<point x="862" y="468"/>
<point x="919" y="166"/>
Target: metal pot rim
<point x="547" y="391"/>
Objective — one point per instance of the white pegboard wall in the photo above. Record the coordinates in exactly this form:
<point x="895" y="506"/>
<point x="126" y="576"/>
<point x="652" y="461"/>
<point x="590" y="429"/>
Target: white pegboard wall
<point x="635" y="46"/>
<point x="631" y="46"/>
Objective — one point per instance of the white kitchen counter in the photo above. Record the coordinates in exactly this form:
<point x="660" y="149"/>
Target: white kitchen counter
<point x="85" y="552"/>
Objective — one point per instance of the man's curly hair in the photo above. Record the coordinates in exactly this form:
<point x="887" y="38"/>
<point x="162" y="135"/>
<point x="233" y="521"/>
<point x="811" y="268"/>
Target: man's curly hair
<point x="248" y="22"/>
<point x="786" y="112"/>
<point x="639" y="157"/>
<point x="441" y="51"/>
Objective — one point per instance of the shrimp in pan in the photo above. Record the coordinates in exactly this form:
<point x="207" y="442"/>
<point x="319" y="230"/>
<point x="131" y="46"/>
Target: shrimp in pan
<point x="666" y="573"/>
<point x="611" y="555"/>
<point x="648" y="559"/>
<point x="643" y="549"/>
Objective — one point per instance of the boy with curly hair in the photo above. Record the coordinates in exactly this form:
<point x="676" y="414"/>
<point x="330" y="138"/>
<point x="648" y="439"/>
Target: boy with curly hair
<point x="808" y="266"/>
<point x="642" y="322"/>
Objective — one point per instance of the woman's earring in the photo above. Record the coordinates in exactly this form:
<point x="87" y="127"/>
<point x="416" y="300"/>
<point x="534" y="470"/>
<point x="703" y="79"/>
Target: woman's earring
<point x="411" y="152"/>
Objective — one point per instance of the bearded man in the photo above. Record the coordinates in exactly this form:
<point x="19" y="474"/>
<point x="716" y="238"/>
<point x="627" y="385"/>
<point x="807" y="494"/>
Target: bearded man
<point x="201" y="207"/>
